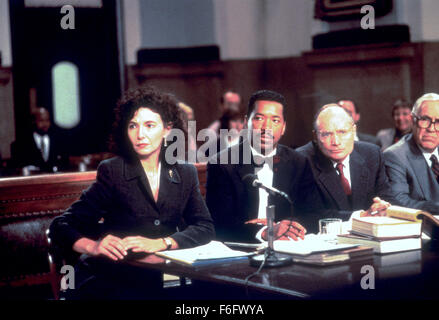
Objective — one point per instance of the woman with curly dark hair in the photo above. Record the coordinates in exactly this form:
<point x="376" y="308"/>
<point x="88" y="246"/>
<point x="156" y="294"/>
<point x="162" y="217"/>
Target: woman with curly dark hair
<point x="147" y="205"/>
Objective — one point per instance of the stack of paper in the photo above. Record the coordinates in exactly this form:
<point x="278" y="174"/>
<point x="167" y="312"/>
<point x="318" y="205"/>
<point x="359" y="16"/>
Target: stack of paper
<point x="321" y="250"/>
<point x="383" y="245"/>
<point x="213" y="252"/>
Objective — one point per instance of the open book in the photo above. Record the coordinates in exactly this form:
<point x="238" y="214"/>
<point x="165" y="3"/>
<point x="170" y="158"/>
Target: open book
<point x="430" y="223"/>
<point x="213" y="252"/>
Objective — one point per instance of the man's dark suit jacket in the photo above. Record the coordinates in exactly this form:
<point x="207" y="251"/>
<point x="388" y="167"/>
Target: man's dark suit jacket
<point x="232" y="202"/>
<point x="25" y="152"/>
<point x="122" y="197"/>
<point x="368" y="180"/>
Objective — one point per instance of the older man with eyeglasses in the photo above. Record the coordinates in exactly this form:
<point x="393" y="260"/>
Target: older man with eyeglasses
<point x="350" y="174"/>
<point x="412" y="163"/>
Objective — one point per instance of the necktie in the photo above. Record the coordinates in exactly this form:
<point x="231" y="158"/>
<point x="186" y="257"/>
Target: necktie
<point x="435" y="166"/>
<point x="343" y="180"/>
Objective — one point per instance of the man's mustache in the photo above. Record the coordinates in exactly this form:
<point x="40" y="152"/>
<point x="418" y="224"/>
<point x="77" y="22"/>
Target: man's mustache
<point x="267" y="133"/>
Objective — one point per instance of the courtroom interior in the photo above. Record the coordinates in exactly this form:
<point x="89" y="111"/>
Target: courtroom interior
<point x="66" y="64"/>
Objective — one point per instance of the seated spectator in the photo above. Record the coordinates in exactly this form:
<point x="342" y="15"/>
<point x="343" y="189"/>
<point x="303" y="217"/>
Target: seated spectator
<point x="231" y="124"/>
<point x="191" y="149"/>
<point x="354" y="111"/>
<point x="402" y="121"/>
<point x="229" y="101"/>
<point x="40" y="151"/>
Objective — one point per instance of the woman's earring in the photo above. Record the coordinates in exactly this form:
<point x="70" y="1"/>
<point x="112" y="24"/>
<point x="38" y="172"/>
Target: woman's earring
<point x="165" y="143"/>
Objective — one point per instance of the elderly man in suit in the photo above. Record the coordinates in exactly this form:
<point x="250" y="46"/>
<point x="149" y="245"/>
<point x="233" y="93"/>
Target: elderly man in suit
<point x="412" y="164"/>
<point x="238" y="208"/>
<point x="350" y="174"/>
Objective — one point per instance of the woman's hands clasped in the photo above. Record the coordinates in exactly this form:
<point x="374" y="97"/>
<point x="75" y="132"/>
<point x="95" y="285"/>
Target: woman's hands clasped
<point x="116" y="248"/>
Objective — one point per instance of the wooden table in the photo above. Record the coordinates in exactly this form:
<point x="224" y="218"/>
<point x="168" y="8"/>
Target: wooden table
<point x="404" y="275"/>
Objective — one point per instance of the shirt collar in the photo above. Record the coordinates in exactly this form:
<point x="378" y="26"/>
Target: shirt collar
<point x="345" y="162"/>
<point x="425" y="153"/>
<point x="258" y="154"/>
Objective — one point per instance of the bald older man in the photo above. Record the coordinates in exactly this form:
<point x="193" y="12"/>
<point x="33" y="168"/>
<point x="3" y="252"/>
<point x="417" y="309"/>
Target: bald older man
<point x="350" y="174"/>
<point x="411" y="164"/>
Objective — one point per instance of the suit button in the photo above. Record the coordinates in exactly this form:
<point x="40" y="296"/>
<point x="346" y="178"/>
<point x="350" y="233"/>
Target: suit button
<point x="157" y="222"/>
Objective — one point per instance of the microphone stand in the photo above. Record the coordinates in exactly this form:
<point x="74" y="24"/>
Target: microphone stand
<point x="270" y="258"/>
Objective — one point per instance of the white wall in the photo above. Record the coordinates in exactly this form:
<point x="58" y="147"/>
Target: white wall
<point x="132" y="29"/>
<point x="239" y="28"/>
<point x="247" y="29"/>
<point x="5" y="34"/>
<point x="429" y="22"/>
<point x="289" y="25"/>
<point x="419" y="15"/>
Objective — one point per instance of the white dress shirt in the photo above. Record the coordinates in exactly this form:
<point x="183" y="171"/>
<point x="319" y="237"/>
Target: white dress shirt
<point x="265" y="175"/>
<point x="43" y="141"/>
<point x="427" y="155"/>
<point x="346" y="225"/>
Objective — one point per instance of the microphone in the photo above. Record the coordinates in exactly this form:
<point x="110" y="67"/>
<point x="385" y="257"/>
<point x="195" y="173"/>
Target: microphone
<point x="252" y="180"/>
<point x="269" y="258"/>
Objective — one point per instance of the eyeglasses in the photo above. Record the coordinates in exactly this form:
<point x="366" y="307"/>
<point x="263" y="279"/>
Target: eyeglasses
<point x="425" y="122"/>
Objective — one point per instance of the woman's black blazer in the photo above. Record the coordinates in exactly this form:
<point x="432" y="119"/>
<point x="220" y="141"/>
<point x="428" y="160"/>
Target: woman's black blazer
<point x="122" y="200"/>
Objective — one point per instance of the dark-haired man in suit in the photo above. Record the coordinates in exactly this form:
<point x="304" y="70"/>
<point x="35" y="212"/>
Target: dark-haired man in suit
<point x="39" y="151"/>
<point x="350" y="174"/>
<point x="236" y="206"/>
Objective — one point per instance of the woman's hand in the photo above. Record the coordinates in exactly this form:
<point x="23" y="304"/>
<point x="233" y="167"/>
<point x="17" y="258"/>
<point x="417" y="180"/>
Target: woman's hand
<point x="142" y="244"/>
<point x="110" y="246"/>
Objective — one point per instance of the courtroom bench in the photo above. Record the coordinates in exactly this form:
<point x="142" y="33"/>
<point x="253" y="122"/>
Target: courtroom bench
<point x="27" y="207"/>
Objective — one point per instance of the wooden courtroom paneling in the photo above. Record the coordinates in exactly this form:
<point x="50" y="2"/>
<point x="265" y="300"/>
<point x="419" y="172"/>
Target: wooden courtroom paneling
<point x="27" y="207"/>
<point x="199" y="85"/>
<point x="374" y="76"/>
<point x="7" y="127"/>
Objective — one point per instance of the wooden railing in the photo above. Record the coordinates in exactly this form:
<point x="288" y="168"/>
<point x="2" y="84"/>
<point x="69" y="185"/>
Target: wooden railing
<point x="27" y="207"/>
